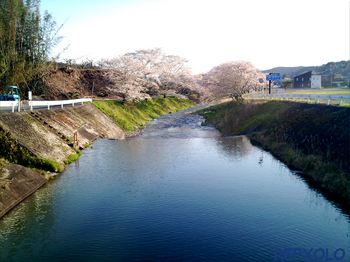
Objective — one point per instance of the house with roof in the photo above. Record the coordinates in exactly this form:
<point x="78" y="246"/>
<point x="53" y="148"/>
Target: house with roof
<point x="307" y="80"/>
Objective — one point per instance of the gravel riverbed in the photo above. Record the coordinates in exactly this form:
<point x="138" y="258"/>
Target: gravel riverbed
<point x="180" y="124"/>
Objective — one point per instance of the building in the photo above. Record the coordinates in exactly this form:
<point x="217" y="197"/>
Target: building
<point x="315" y="81"/>
<point x="303" y="80"/>
<point x="307" y="80"/>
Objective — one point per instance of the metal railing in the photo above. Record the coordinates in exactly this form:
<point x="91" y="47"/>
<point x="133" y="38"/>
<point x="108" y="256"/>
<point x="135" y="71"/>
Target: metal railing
<point x="48" y="104"/>
<point x="58" y="102"/>
<point x="11" y="104"/>
<point x="310" y="98"/>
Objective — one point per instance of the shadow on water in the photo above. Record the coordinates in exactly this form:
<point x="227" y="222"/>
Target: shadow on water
<point x="337" y="201"/>
<point x="229" y="147"/>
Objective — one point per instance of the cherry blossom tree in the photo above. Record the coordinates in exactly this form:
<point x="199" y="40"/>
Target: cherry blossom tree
<point x="128" y="77"/>
<point x="166" y="70"/>
<point x="232" y="79"/>
<point x="147" y="72"/>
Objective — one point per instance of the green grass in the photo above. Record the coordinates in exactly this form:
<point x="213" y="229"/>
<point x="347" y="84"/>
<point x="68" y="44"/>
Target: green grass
<point x="134" y="115"/>
<point x="325" y="91"/>
<point x="71" y="158"/>
<point x="44" y="164"/>
<point x="236" y="118"/>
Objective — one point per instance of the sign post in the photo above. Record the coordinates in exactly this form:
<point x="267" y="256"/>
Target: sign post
<point x="261" y="81"/>
<point x="272" y="77"/>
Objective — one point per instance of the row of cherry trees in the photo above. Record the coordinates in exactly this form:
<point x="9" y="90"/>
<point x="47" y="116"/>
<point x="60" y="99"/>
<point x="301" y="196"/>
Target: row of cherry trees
<point x="145" y="73"/>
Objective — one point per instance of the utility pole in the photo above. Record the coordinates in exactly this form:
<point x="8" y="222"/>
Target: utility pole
<point x="331" y="76"/>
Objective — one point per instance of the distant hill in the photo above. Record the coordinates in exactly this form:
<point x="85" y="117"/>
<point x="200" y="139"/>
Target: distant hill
<point x="342" y="68"/>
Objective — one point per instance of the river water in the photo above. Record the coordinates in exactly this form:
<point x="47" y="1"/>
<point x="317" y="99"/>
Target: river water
<point x="167" y="198"/>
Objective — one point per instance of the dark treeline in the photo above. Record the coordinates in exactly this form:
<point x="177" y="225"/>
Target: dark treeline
<point x="27" y="39"/>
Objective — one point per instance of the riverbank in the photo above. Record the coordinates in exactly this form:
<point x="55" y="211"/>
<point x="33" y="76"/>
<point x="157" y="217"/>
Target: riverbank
<point x="17" y="183"/>
<point x="311" y="138"/>
<point x="43" y="140"/>
<point x="132" y="117"/>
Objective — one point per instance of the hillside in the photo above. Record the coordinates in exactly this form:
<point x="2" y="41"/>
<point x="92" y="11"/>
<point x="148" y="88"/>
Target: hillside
<point x="70" y="83"/>
<point x="342" y="68"/>
<point x="66" y="82"/>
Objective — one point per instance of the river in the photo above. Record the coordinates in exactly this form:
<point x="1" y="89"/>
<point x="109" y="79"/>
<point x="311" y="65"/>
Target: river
<point x="179" y="192"/>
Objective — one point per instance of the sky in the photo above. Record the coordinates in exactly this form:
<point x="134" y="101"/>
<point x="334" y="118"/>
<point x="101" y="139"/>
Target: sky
<point x="268" y="33"/>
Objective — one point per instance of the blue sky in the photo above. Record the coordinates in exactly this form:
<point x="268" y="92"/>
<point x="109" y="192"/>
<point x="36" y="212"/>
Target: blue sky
<point x="269" y="33"/>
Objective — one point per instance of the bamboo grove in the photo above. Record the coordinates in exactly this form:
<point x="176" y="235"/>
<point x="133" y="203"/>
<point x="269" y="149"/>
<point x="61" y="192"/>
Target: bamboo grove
<point x="27" y="39"/>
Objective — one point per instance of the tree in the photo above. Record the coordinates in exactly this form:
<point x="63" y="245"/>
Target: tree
<point x="26" y="42"/>
<point x="128" y="77"/>
<point x="143" y="73"/>
<point x="232" y="79"/>
<point x="166" y="70"/>
<point x="287" y="83"/>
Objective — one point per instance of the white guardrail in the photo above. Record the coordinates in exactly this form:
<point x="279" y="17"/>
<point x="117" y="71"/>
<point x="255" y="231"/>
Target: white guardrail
<point x="310" y="98"/>
<point x="47" y="104"/>
<point x="12" y="104"/>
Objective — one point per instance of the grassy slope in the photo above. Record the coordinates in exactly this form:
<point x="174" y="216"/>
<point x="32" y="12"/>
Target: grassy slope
<point x="310" y="138"/>
<point x="131" y="116"/>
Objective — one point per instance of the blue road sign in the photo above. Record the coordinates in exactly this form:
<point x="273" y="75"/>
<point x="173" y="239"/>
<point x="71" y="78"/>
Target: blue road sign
<point x="273" y="77"/>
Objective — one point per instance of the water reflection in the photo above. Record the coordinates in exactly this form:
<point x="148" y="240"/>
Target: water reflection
<point x="235" y="148"/>
<point x="216" y="199"/>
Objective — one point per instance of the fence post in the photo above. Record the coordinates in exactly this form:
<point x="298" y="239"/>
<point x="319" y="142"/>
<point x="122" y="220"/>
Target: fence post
<point x="308" y="99"/>
<point x="13" y="107"/>
<point x="340" y="101"/>
<point x="48" y="106"/>
<point x="76" y="143"/>
<point x="300" y="98"/>
<point x="30" y="100"/>
<point x="317" y="99"/>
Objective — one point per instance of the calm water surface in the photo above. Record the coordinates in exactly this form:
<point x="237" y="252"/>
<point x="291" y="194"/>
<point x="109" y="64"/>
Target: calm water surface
<point x="199" y="199"/>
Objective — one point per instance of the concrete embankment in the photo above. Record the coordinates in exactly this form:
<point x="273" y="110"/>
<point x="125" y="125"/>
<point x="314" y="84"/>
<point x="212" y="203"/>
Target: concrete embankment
<point x="43" y="137"/>
<point x="17" y="183"/>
